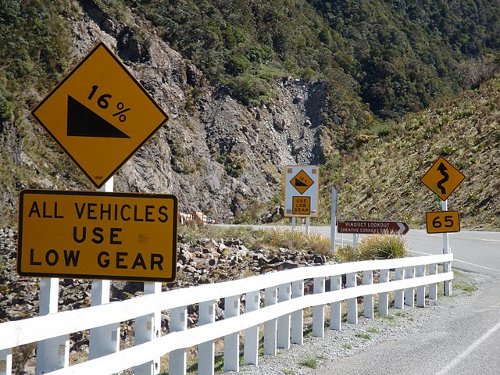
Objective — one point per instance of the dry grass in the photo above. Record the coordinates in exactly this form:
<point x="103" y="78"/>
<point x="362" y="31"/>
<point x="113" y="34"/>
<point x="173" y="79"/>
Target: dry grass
<point x="257" y="239"/>
<point x="380" y="246"/>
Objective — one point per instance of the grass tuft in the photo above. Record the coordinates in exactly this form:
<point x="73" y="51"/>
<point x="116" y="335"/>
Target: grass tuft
<point x="309" y="362"/>
<point x="379" y="246"/>
<point x="363" y="335"/>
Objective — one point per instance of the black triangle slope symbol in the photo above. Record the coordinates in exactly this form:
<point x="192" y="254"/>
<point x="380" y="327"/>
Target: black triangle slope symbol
<point x="82" y="122"/>
<point x="299" y="183"/>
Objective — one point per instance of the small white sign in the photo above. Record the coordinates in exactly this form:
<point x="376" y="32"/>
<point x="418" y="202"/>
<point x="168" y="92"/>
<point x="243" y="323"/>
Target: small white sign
<point x="301" y="181"/>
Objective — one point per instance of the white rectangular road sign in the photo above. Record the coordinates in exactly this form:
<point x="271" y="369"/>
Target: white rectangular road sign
<point x="301" y="181"/>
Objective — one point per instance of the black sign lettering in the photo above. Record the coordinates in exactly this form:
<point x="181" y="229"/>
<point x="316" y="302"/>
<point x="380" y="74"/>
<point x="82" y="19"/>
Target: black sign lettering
<point x="33" y="262"/>
<point x="51" y="257"/>
<point x="103" y="259"/>
<point x="113" y="236"/>
<point x="98" y="237"/>
<point x="163" y="216"/>
<point x="71" y="257"/>
<point x="120" y="259"/>
<point x="80" y="239"/>
<point x="139" y="262"/>
<point x="156" y="259"/>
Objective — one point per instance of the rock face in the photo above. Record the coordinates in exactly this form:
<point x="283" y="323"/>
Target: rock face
<point x="214" y="153"/>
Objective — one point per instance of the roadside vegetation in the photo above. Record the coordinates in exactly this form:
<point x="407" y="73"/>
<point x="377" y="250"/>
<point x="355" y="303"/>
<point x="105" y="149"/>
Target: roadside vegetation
<point x="381" y="246"/>
<point x="380" y="179"/>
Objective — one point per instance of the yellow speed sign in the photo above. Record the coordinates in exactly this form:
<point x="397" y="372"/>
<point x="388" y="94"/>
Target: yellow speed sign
<point x="442" y="222"/>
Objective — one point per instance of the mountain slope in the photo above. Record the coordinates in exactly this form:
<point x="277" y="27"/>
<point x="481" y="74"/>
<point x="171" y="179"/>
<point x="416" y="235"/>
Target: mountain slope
<point x="250" y="86"/>
<point x="382" y="179"/>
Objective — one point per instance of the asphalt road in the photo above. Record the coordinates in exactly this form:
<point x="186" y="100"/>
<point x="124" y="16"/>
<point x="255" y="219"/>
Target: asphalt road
<point x="464" y="340"/>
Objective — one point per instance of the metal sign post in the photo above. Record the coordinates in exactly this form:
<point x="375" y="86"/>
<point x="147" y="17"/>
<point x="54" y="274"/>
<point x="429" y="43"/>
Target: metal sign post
<point x="103" y="340"/>
<point x="446" y="250"/>
<point x="333" y="225"/>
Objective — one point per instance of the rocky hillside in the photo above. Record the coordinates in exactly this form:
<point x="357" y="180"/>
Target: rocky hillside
<point x="246" y="91"/>
<point x="215" y="154"/>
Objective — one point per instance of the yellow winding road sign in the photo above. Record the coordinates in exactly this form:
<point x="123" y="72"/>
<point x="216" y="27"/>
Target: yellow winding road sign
<point x="442" y="178"/>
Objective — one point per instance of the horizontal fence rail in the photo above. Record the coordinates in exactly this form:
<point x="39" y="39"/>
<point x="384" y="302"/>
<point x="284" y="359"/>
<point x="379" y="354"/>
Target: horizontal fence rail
<point x="275" y="300"/>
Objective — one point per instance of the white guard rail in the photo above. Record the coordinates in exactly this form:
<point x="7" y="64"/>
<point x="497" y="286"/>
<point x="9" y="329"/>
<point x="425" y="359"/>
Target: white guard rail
<point x="275" y="300"/>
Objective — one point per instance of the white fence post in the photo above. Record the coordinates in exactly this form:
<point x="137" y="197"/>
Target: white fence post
<point x="433" y="287"/>
<point x="103" y="340"/>
<point x="318" y="325"/>
<point x="336" y="307"/>
<point x="368" y="310"/>
<point x="297" y="329"/>
<point x="232" y="341"/>
<point x="448" y="290"/>
<point x="399" y="299"/>
<point x="352" y="303"/>
<point x="177" y="358"/>
<point x="251" y="349"/>
<point x="206" y="350"/>
<point x="147" y="328"/>
<point x="53" y="353"/>
<point x="421" y="289"/>
<point x="410" y="292"/>
<point x="6" y="362"/>
<point x="270" y="347"/>
<point x="383" y="302"/>
<point x="284" y="294"/>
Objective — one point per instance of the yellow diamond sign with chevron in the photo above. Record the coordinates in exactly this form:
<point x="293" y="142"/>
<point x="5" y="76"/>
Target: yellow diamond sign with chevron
<point x="100" y="114"/>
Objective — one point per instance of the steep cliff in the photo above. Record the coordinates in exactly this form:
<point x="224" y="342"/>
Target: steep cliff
<point x="215" y="154"/>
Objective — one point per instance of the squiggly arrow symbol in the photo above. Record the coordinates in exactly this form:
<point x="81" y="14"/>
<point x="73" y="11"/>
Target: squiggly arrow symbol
<point x="442" y="168"/>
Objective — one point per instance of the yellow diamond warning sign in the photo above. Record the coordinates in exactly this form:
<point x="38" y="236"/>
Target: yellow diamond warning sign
<point x="301" y="182"/>
<point x="97" y="235"/>
<point x="100" y="114"/>
<point x="442" y="178"/>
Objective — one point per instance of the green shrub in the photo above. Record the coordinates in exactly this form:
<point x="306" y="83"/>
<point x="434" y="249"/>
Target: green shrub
<point x="384" y="246"/>
<point x="309" y="362"/>
<point x="346" y="254"/>
<point x="379" y="246"/>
